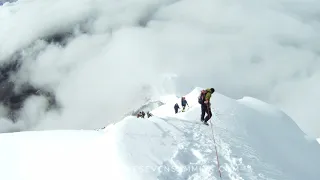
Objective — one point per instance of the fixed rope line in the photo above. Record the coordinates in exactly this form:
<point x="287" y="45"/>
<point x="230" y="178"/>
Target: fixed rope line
<point x="215" y="146"/>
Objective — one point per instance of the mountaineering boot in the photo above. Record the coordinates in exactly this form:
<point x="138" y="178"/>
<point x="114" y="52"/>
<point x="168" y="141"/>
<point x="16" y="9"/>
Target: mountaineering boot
<point x="205" y="123"/>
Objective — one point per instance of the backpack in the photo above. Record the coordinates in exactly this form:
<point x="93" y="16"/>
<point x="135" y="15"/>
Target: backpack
<point x="201" y="97"/>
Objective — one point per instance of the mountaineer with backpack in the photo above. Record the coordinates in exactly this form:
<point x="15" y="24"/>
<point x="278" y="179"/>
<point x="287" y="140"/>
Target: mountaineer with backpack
<point x="204" y="100"/>
<point x="184" y="102"/>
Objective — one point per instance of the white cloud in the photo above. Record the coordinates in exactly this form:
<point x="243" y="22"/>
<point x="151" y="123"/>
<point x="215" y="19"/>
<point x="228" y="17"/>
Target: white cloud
<point x="266" y="49"/>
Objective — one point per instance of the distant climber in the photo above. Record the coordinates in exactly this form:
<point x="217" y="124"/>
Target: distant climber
<point x="204" y="100"/>
<point x="149" y="114"/>
<point x="141" y="114"/>
<point x="176" y="108"/>
<point x="184" y="103"/>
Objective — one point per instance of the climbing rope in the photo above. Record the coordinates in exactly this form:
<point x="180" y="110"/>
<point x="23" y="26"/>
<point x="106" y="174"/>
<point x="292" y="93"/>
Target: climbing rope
<point x="215" y="146"/>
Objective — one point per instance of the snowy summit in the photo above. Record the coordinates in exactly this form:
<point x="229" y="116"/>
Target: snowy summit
<point x="253" y="140"/>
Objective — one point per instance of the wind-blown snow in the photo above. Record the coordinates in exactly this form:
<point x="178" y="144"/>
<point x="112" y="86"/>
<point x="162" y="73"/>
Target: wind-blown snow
<point x="78" y="49"/>
<point x="254" y="141"/>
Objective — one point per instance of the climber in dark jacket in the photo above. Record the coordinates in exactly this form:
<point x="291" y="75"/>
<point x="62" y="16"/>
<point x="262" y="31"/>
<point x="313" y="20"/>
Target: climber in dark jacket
<point x="176" y="107"/>
<point x="149" y="114"/>
<point x="184" y="103"/>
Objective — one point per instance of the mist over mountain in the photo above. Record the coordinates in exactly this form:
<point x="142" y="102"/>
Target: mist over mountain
<point x="59" y="58"/>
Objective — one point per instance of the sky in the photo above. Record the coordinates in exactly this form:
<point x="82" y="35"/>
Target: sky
<point x="266" y="49"/>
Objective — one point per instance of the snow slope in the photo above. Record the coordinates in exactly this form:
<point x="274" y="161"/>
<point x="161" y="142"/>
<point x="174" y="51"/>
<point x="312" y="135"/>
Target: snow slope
<point x="254" y="141"/>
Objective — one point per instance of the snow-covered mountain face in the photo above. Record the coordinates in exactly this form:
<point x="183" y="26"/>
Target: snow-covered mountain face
<point x="254" y="141"/>
<point x="72" y="63"/>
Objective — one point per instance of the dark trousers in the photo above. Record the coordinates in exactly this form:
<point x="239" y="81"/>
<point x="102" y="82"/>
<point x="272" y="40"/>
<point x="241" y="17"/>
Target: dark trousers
<point x="206" y="109"/>
<point x="176" y="110"/>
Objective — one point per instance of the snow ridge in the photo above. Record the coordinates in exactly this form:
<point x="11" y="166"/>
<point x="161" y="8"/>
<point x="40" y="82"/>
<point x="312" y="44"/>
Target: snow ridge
<point x="251" y="146"/>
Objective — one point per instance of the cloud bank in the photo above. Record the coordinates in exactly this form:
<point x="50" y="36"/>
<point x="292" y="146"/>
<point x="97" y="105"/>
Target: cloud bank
<point x="97" y="55"/>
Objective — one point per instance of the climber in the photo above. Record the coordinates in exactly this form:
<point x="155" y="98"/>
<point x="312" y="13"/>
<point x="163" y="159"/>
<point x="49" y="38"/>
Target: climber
<point x="204" y="100"/>
<point x="184" y="103"/>
<point x="149" y="114"/>
<point x="139" y="114"/>
<point x="176" y="107"/>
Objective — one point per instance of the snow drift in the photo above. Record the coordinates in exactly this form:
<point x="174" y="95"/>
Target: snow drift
<point x="254" y="141"/>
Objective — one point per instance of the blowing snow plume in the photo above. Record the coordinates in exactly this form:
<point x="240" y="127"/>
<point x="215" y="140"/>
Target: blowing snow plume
<point x="90" y="58"/>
